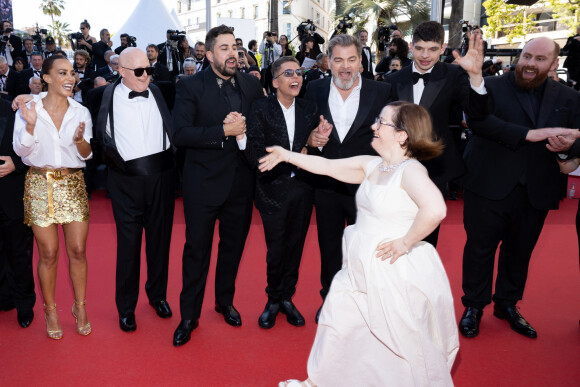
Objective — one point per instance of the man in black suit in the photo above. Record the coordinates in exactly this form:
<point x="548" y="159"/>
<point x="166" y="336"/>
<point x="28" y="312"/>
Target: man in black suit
<point x="160" y="72"/>
<point x="13" y="47"/>
<point x="367" y="57"/>
<point x="21" y="86"/>
<point x="16" y="278"/>
<point x="284" y="195"/>
<point x="7" y="80"/>
<point x="124" y="44"/>
<point x="133" y="131"/>
<point x="209" y="114"/>
<point x="27" y="51"/>
<point x="513" y="180"/>
<point x="100" y="48"/>
<point x="437" y="87"/>
<point x="201" y="62"/>
<point x="84" y="76"/>
<point x="350" y="103"/>
<point x="397" y="48"/>
<point x="169" y="55"/>
<point x="111" y="71"/>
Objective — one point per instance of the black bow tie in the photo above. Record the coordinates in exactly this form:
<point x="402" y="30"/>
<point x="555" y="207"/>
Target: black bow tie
<point x="425" y="78"/>
<point x="37" y="72"/>
<point x="144" y="94"/>
<point x="80" y="72"/>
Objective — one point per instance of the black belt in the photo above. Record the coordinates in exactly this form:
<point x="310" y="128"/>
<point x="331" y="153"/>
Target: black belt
<point x="149" y="165"/>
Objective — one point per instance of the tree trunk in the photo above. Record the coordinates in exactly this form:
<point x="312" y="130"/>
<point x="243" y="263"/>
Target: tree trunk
<point x="455" y="33"/>
<point x="274" y="16"/>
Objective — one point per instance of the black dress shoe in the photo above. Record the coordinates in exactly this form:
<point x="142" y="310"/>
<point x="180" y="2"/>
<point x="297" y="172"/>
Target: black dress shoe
<point x="268" y="317"/>
<point x="231" y="315"/>
<point x="183" y="332"/>
<point x="161" y="308"/>
<point x="127" y="322"/>
<point x="517" y="322"/>
<point x="25" y="318"/>
<point x="293" y="316"/>
<point x="469" y="323"/>
<point x="318" y="313"/>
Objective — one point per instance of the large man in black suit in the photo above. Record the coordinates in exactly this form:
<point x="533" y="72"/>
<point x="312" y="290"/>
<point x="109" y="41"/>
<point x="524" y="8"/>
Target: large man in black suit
<point x="513" y="179"/>
<point x="133" y="131"/>
<point x="217" y="181"/>
<point x="350" y="103"/>
<point x="16" y="278"/>
<point x="284" y="195"/>
<point x="438" y="87"/>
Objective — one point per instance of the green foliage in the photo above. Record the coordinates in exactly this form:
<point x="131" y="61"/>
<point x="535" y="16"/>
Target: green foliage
<point x="565" y="9"/>
<point x="52" y="8"/>
<point x="507" y="18"/>
<point x="59" y="31"/>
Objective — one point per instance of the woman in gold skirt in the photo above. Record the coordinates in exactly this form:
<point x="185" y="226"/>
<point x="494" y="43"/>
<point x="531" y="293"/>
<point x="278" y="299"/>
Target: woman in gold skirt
<point x="51" y="135"/>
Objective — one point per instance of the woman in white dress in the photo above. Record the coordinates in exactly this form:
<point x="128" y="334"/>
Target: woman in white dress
<point x="388" y="319"/>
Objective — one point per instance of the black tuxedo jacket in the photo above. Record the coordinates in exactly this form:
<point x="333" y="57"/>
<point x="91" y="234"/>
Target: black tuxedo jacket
<point x="87" y="83"/>
<point x="99" y="50"/>
<point x="448" y="86"/>
<point x="211" y="160"/>
<point x="16" y="42"/>
<point x="267" y="127"/>
<point x="11" y="185"/>
<point x="162" y="58"/>
<point x="498" y="157"/>
<point x="373" y="97"/>
<point x="367" y="69"/>
<point x="11" y="83"/>
<point x="104" y="141"/>
<point x="161" y="73"/>
<point x="21" y="82"/>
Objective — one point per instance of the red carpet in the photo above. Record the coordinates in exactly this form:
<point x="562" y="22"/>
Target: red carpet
<point x="220" y="355"/>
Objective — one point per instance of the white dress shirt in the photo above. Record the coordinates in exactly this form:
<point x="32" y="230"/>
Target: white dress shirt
<point x="344" y="112"/>
<point x="419" y="86"/>
<point x="138" y="125"/>
<point x="3" y="80"/>
<point x="50" y="147"/>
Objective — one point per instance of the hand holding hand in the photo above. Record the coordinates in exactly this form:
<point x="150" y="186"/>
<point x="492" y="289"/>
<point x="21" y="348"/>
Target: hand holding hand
<point x="237" y="126"/>
<point x="393" y="249"/>
<point x="8" y="166"/>
<point x="537" y="135"/>
<point x="276" y="155"/>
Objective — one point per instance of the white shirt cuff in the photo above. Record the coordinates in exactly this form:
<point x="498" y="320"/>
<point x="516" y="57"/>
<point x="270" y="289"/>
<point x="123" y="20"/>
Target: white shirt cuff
<point x="27" y="140"/>
<point x="481" y="90"/>
<point x="242" y="143"/>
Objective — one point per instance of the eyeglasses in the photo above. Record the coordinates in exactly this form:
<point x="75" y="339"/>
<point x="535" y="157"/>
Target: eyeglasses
<point x="290" y="73"/>
<point x="139" y="71"/>
<point x="114" y="63"/>
<point x="378" y="122"/>
<point x="83" y="28"/>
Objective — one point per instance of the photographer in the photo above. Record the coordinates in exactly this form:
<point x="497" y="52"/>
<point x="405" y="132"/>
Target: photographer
<point x="308" y="28"/>
<point x="84" y="76"/>
<point x="270" y="49"/>
<point x="124" y="44"/>
<point x="397" y="48"/>
<point x="169" y="53"/>
<point x="84" y="41"/>
<point x="100" y="48"/>
<point x="10" y="44"/>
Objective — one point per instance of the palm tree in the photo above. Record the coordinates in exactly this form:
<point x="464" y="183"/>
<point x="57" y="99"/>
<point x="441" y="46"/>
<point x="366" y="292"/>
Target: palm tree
<point x="274" y="16"/>
<point x="60" y="32"/>
<point x="52" y="8"/>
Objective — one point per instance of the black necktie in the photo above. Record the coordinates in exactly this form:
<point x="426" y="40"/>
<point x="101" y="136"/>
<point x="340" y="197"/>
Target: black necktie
<point x="144" y="94"/>
<point x="425" y="77"/>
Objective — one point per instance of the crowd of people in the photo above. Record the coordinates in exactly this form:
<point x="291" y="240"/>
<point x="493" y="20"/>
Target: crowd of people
<point x="368" y="147"/>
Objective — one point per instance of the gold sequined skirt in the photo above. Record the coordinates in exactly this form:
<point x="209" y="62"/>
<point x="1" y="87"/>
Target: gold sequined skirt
<point x="54" y="198"/>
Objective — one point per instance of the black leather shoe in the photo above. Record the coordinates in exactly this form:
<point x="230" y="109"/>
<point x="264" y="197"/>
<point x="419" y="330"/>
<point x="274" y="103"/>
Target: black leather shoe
<point x="469" y="323"/>
<point x="231" y="315"/>
<point x="127" y="322"/>
<point x="183" y="332"/>
<point x="318" y="313"/>
<point x="517" y="322"/>
<point x="25" y="318"/>
<point x="161" y="308"/>
<point x="293" y="316"/>
<point x="268" y="317"/>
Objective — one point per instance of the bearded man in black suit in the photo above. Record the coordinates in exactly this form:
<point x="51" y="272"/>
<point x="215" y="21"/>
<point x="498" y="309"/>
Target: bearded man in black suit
<point x="513" y="180"/>
<point x="209" y="115"/>
<point x="350" y="103"/>
<point x="284" y="196"/>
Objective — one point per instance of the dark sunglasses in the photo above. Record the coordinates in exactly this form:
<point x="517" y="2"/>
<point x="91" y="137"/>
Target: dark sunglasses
<point x="290" y="73"/>
<point x="139" y="71"/>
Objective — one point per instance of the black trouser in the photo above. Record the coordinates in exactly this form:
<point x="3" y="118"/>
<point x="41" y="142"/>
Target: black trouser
<point x="434" y="236"/>
<point x="517" y="225"/>
<point x="16" y="276"/>
<point x="142" y="203"/>
<point x="234" y="216"/>
<point x="333" y="211"/>
<point x="285" y="231"/>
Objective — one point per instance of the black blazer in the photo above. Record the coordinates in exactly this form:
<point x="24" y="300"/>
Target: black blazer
<point x="104" y="142"/>
<point x="373" y="97"/>
<point x="99" y="50"/>
<point x="87" y="83"/>
<point x="16" y="42"/>
<point x="367" y="70"/>
<point x="21" y="82"/>
<point x="267" y="127"/>
<point x="162" y="58"/>
<point x="161" y="73"/>
<point x="448" y="86"/>
<point x="498" y="157"/>
<point x="211" y="160"/>
<point x="11" y="185"/>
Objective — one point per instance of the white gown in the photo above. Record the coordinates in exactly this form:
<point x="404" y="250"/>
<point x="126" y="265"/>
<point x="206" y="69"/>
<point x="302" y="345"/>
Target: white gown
<point x="385" y="324"/>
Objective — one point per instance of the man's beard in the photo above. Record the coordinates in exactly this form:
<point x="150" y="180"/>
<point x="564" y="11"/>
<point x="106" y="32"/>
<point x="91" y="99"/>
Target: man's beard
<point x="224" y="70"/>
<point x="344" y="85"/>
<point x="529" y="84"/>
<point x="392" y="52"/>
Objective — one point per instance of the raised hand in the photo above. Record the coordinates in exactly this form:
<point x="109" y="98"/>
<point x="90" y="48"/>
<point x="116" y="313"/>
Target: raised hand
<point x="276" y="155"/>
<point x="79" y="133"/>
<point x="473" y="59"/>
<point x="29" y="115"/>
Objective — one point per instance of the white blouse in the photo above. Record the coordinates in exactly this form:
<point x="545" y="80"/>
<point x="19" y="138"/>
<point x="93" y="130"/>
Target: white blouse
<point x="49" y="147"/>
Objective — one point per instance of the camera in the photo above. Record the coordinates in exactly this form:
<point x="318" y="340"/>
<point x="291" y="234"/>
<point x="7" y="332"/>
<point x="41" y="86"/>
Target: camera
<point x="176" y="35"/>
<point x="8" y="30"/>
<point x="385" y="32"/>
<point x="465" y="26"/>
<point x="345" y="23"/>
<point x="306" y="27"/>
<point x="5" y="38"/>
<point x="131" y="41"/>
<point x="37" y="37"/>
<point x="76" y="36"/>
<point x="240" y="54"/>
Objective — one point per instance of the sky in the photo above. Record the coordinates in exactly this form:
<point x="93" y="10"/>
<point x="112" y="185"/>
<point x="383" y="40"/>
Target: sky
<point x="110" y="14"/>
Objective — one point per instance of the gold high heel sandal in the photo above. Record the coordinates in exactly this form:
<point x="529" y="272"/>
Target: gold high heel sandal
<point x="55" y="335"/>
<point x="85" y="329"/>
